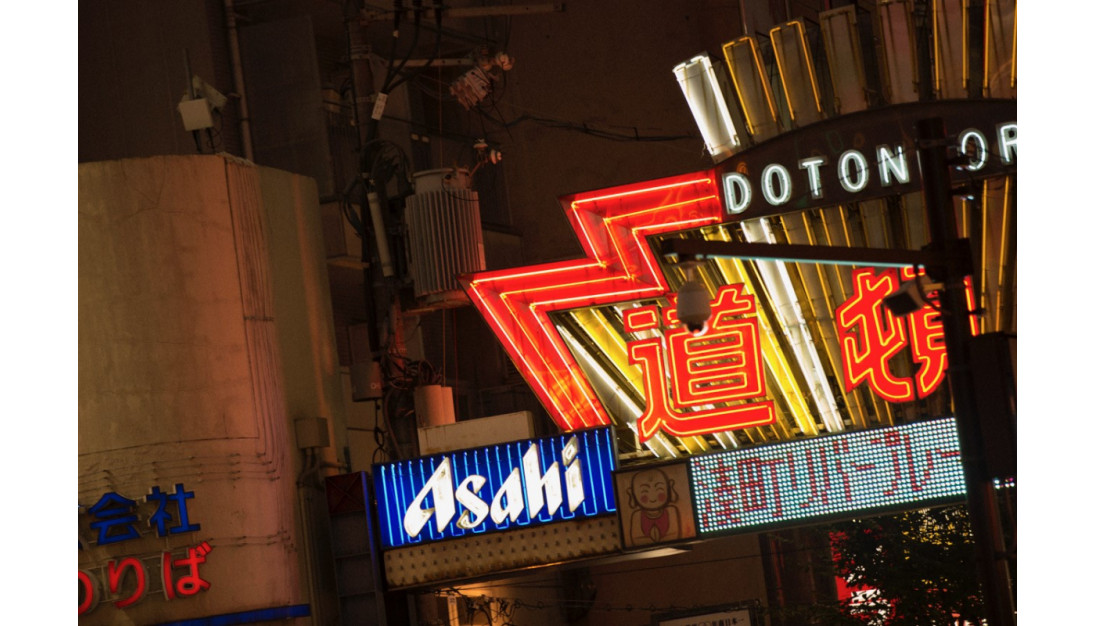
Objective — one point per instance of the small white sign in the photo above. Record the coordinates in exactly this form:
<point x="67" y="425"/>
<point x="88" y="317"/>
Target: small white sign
<point x="740" y="617"/>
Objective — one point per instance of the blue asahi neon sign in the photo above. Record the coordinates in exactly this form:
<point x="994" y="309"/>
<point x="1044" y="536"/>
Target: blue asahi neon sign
<point x="509" y="485"/>
<point x="858" y="473"/>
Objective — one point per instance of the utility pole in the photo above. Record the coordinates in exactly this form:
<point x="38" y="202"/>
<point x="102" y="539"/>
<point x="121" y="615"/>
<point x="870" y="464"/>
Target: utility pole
<point x="955" y="253"/>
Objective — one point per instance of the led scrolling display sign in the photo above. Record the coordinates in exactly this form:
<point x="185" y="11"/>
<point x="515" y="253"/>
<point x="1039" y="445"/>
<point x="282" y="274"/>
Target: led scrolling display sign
<point x="512" y="485"/>
<point x="857" y="157"/>
<point x="833" y="476"/>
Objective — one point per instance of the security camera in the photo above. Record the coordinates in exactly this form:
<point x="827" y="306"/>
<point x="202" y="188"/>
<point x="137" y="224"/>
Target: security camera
<point x="910" y="296"/>
<point x="693" y="306"/>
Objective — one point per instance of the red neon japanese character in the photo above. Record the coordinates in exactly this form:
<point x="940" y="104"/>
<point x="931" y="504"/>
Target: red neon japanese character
<point x="927" y="344"/>
<point x="871" y="335"/>
<point x="190" y="583"/>
<point x="116" y="573"/>
<point x="720" y="366"/>
<point x="88" y="588"/>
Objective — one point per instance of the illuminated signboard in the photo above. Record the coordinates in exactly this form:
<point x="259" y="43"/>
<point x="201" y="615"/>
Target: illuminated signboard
<point x="862" y="156"/>
<point x="854" y="158"/>
<point x="871" y="335"/>
<point x="839" y="475"/>
<point x="511" y="485"/>
<point x="654" y="502"/>
<point x="719" y="367"/>
<point x="124" y="581"/>
<point x="728" y="616"/>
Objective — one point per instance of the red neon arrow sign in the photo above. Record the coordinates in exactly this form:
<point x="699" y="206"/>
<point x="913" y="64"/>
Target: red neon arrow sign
<point x="612" y="225"/>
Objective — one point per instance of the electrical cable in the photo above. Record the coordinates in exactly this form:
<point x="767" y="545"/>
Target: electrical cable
<point x="392" y="71"/>
<point x="585" y="128"/>
<point x="398" y="74"/>
<point x="397" y="10"/>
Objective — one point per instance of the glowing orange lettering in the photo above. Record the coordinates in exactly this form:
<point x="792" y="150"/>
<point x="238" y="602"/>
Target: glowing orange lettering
<point x="871" y="336"/>
<point x="717" y="368"/>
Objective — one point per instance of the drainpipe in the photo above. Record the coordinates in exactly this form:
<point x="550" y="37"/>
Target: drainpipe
<point x="238" y="80"/>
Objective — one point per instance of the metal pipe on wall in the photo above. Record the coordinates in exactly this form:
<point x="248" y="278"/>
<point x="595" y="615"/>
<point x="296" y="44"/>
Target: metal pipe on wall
<point x="238" y="79"/>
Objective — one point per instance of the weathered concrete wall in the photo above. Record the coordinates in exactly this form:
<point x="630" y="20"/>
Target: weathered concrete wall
<point x="205" y="330"/>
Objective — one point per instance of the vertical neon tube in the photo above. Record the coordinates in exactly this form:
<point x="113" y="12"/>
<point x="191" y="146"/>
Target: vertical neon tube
<point x="705" y="97"/>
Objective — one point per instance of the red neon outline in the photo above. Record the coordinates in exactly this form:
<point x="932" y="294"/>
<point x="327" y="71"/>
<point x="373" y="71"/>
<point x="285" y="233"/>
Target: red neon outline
<point x="733" y="380"/>
<point x="612" y="226"/>
<point x="718" y="356"/>
<point x="925" y="337"/>
<point x="90" y="600"/>
<point x="642" y="318"/>
<point x="116" y="572"/>
<point x="866" y="356"/>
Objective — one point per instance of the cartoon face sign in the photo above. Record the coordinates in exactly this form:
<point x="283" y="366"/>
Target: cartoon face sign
<point x="649" y="500"/>
<point x="651" y="490"/>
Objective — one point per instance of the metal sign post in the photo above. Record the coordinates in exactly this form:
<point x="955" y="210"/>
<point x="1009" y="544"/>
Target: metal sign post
<point x="947" y="260"/>
<point x="981" y="496"/>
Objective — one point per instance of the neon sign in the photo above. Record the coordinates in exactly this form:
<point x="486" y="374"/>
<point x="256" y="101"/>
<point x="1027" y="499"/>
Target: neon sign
<point x="488" y="489"/>
<point x="796" y="171"/>
<point x="612" y="225"/>
<point x="862" y="156"/>
<point x="871" y="336"/>
<point x="721" y="366"/>
<point x="129" y="578"/>
<point x="125" y="581"/>
<point x="826" y="477"/>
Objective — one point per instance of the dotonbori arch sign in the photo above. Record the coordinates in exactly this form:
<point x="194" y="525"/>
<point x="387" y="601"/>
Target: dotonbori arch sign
<point x="864" y="156"/>
<point x="855" y="158"/>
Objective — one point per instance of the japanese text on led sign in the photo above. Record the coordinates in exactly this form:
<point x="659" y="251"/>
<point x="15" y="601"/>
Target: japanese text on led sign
<point x="846" y="474"/>
<point x="494" y="488"/>
<point x="123" y="581"/>
<point x="721" y="366"/>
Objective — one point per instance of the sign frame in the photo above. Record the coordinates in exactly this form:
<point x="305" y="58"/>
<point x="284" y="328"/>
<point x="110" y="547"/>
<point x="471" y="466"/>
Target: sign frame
<point x="838" y="160"/>
<point x="836" y="515"/>
<point x="685" y="507"/>
<point x="600" y="497"/>
<point x="723" y="611"/>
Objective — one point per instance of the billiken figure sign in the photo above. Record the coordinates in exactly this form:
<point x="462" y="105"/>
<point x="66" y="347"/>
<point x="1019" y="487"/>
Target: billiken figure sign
<point x="494" y="488"/>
